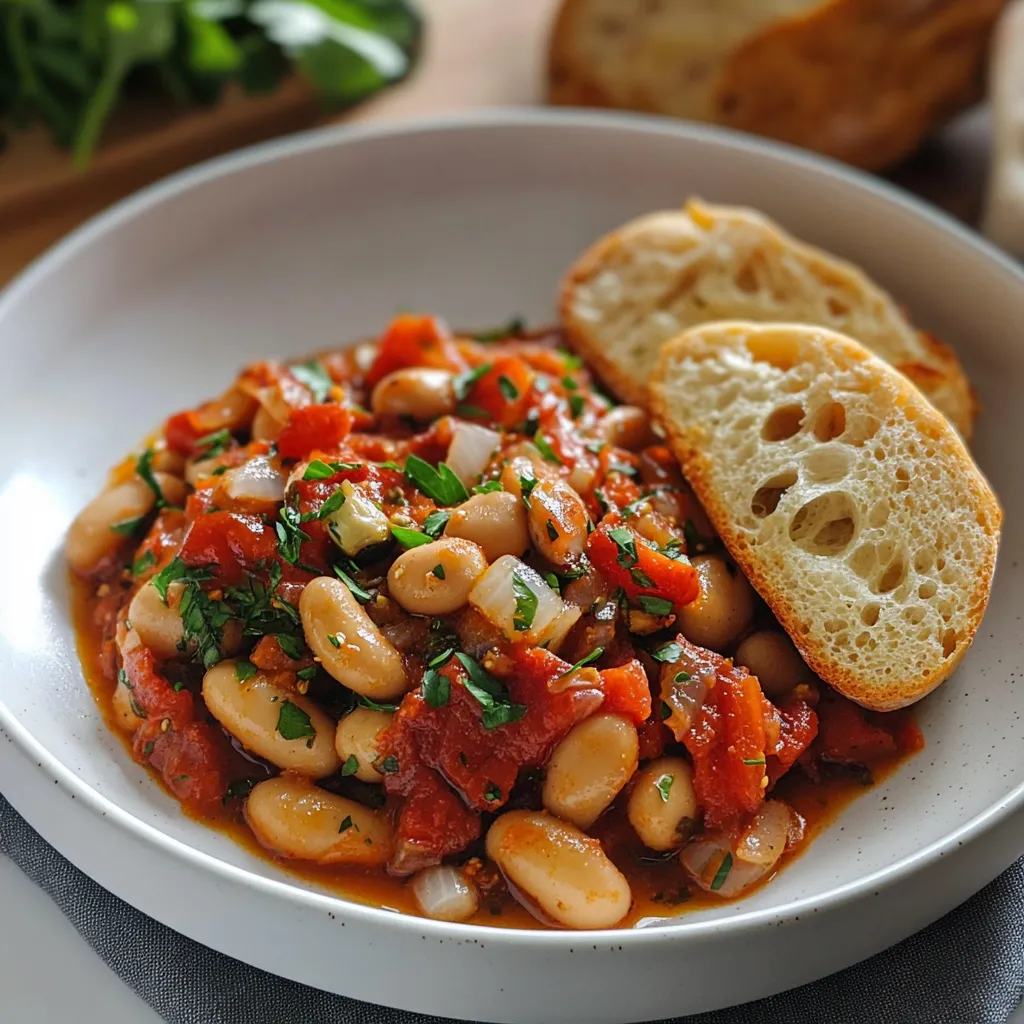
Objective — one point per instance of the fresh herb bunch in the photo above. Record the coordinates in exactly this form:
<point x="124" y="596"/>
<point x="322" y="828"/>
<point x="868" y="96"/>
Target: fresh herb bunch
<point x="67" y="63"/>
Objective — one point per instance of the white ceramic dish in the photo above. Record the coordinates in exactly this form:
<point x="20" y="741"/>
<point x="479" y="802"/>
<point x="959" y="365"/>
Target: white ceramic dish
<point x="304" y="243"/>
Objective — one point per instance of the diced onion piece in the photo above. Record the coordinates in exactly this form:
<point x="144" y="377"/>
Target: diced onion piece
<point x="764" y="841"/>
<point x="494" y="596"/>
<point x="559" y="628"/>
<point x="445" y="894"/>
<point x="706" y="861"/>
<point x="256" y="480"/>
<point x="358" y="524"/>
<point x="471" y="449"/>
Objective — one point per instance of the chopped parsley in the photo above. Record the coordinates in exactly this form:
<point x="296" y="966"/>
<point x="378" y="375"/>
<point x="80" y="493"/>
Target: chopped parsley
<point x="314" y="377"/>
<point x="409" y="538"/>
<point x="471" y="412"/>
<point x="526" y="603"/>
<point x="722" y="873"/>
<point x="441" y="484"/>
<point x="203" y="621"/>
<point x="128" y="527"/>
<point x="526" y="485"/>
<point x="576" y="404"/>
<point x="437" y="688"/>
<point x="346" y="824"/>
<point x="656" y="605"/>
<point x="306" y="674"/>
<point x="435" y="522"/>
<point x="544" y="447"/>
<point x="244" y="670"/>
<point x="294" y="724"/>
<point x="552" y="581"/>
<point x="508" y="390"/>
<point x="290" y="535"/>
<point x="144" y="468"/>
<point x="331" y="505"/>
<point x="492" y="794"/>
<point x="212" y="445"/>
<point x="390" y="464"/>
<point x="238" y="788"/>
<point x="361" y="595"/>
<point x="670" y="652"/>
<point x="552" y="531"/>
<point x="463" y="382"/>
<point x="319" y="470"/>
<point x="440" y="659"/>
<point x="490" y="694"/>
<point x="388" y="766"/>
<point x="438" y="571"/>
<point x="261" y="610"/>
<point x="592" y="656"/>
<point x="145" y="561"/>
<point x="640" y="578"/>
<point x="293" y="646"/>
<point x="754" y="760"/>
<point x="681" y="677"/>
<point x="136" y="710"/>
<point x="673" y="549"/>
<point x="488" y="487"/>
<point x="333" y="640"/>
<point x="622" y="467"/>
<point x="663" y="784"/>
<point x="626" y="543"/>
<point x="351" y="766"/>
<point x="570" y="360"/>
<point x="693" y="541"/>
<point x="665" y="711"/>
<point x="366" y="702"/>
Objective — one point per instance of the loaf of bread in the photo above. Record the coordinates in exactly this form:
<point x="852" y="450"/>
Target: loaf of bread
<point x="665" y="272"/>
<point x="850" y="504"/>
<point x="860" y="80"/>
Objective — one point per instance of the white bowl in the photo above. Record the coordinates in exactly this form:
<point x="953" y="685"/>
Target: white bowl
<point x="305" y="243"/>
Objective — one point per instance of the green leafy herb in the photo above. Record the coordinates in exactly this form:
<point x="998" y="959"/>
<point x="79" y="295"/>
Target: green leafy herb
<point x="389" y="766"/>
<point x="754" y="760"/>
<point x="471" y="412"/>
<point x="144" y="468"/>
<point x="640" y="578"/>
<point x="577" y="403"/>
<point x="665" y="711"/>
<point x="488" y="487"/>
<point x="663" y="784"/>
<point x="129" y="527"/>
<point x="333" y="640"/>
<point x="693" y="541"/>
<point x="655" y="605"/>
<point x="351" y="766"/>
<point x="492" y="794"/>
<point x="463" y="382"/>
<point x="292" y="645"/>
<point x="437" y="688"/>
<point x="331" y="505"/>
<point x="390" y="464"/>
<point x="626" y="543"/>
<point x="203" y="620"/>
<point x="552" y="581"/>
<point x="238" y="788"/>
<point x="490" y="694"/>
<point x="306" y="674"/>
<point x="592" y="656"/>
<point x="440" y="659"/>
<point x="570" y="360"/>
<point x="670" y="652"/>
<point x="441" y="484"/>
<point x="722" y="873"/>
<point x="681" y="677"/>
<point x="673" y="549"/>
<point x="409" y="538"/>
<point x="244" y="670"/>
<point x="438" y="571"/>
<point x="373" y="705"/>
<point x="508" y="390"/>
<point x="290" y="534"/>
<point x="320" y="470"/>
<point x="552" y="531"/>
<point x="293" y="723"/>
<point x="314" y="377"/>
<point x="346" y="824"/>
<point x="526" y="486"/>
<point x="212" y="445"/>
<point x="261" y="609"/>
<point x="512" y="329"/>
<point x="622" y="467"/>
<point x="526" y="603"/>
<point x="544" y="447"/>
<point x="361" y="595"/>
<point x="148" y="748"/>
<point x="435" y="523"/>
<point x="145" y="561"/>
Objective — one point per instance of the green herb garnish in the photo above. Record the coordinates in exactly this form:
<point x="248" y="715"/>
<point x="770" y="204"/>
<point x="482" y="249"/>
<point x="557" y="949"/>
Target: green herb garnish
<point x="320" y="470"/>
<point x="663" y="784"/>
<point x="492" y="794"/>
<point x="526" y="603"/>
<point x="373" y="705"/>
<point x="244" y="670"/>
<point x="626" y="543"/>
<point x="435" y="523"/>
<point x="294" y="724"/>
<point x="660" y="606"/>
<point x="212" y="445"/>
<point x="144" y="468"/>
<point x="488" y="487"/>
<point x="592" y="656"/>
<point x="508" y="390"/>
<point x="441" y="484"/>
<point x="351" y="766"/>
<point x="670" y="652"/>
<point x="128" y="527"/>
<point x="290" y="535"/>
<point x="722" y="873"/>
<point x="389" y="766"/>
<point x="346" y="824"/>
<point x="409" y="538"/>
<point x="437" y="688"/>
<point x="544" y="447"/>
<point x="314" y="377"/>
<point x="145" y="561"/>
<point x="361" y="595"/>
<point x="490" y="694"/>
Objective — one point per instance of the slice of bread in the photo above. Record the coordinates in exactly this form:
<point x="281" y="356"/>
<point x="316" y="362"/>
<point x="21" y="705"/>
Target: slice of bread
<point x="853" y="508"/>
<point x="665" y="272"/>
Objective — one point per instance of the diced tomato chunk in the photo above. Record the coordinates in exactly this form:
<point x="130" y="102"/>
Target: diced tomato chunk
<point x="846" y="736"/>
<point x="798" y="728"/>
<point x="626" y="691"/>
<point x="645" y="573"/>
<point x="315" y="426"/>
<point x="413" y="340"/>
<point x="183" y="430"/>
<point x="503" y="392"/>
<point x="236" y="544"/>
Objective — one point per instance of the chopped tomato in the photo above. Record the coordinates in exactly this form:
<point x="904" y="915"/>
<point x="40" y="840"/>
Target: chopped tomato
<point x="269" y="656"/>
<point x="183" y="430"/>
<point x="626" y="691"/>
<point x="235" y="544"/>
<point x="191" y="755"/>
<point x="653" y="737"/>
<point x="846" y="736"/>
<point x="503" y="392"/>
<point x="798" y="727"/>
<point x="315" y="426"/>
<point x="413" y="340"/>
<point x="618" y="552"/>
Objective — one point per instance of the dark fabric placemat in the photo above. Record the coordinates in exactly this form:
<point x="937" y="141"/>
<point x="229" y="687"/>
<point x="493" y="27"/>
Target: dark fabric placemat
<point x="967" y="968"/>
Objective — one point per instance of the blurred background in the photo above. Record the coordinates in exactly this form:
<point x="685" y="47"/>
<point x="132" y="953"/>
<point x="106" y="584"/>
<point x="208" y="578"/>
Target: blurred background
<point x="100" y="97"/>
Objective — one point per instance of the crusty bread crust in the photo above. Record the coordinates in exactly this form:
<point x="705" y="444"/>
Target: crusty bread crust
<point x="911" y="489"/>
<point x="665" y="272"/>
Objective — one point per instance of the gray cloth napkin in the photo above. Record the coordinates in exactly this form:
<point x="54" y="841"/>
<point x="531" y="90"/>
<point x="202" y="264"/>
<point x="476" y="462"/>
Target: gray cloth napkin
<point x="967" y="968"/>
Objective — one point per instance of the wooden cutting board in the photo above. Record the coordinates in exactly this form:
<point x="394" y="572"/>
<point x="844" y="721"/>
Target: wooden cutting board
<point x="477" y="53"/>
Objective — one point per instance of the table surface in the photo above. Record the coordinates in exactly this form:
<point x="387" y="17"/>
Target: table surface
<point x="478" y="53"/>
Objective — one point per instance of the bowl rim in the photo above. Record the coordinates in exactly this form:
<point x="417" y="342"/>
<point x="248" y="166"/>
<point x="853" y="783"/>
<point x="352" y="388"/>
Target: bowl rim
<point x="677" y="929"/>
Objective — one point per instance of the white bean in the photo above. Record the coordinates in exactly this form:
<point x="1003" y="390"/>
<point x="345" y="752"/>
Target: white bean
<point x="436" y="578"/>
<point x="348" y="643"/>
<point x="771" y="656"/>
<point x="558" y="522"/>
<point x="661" y="800"/>
<point x="295" y="819"/>
<point x="418" y="392"/>
<point x="496" y="521"/>
<point x="125" y="716"/>
<point x="261" y="715"/>
<point x="565" y="872"/>
<point x="158" y="625"/>
<point x="356" y="736"/>
<point x="589" y="767"/>
<point x="723" y="609"/>
<point x="92" y="538"/>
<point x="445" y="893"/>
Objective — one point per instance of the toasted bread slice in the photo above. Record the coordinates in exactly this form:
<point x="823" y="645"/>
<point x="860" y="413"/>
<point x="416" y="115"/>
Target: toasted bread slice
<point x="851" y="505"/>
<point x="665" y="272"/>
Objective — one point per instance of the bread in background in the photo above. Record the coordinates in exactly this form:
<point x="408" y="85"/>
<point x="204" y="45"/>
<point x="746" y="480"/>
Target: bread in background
<point x="849" y="503"/>
<point x="664" y="272"/>
<point x="860" y="80"/>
